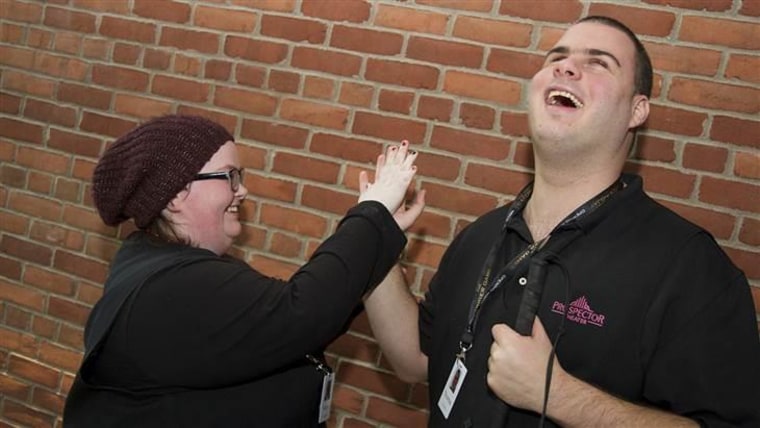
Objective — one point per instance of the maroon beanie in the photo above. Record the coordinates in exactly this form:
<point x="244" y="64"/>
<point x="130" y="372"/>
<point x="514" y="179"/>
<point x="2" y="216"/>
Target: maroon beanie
<point x="142" y="171"/>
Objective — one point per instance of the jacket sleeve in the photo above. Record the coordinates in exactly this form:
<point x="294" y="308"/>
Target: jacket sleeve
<point x="229" y="323"/>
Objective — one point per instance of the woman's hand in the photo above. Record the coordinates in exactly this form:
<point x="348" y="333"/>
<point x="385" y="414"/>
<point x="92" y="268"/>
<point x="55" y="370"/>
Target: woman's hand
<point x="394" y="172"/>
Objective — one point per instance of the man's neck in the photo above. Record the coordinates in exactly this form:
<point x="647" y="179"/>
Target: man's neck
<point x="555" y="197"/>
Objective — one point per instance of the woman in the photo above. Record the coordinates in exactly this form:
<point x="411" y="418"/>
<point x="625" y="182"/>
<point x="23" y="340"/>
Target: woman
<point x="186" y="336"/>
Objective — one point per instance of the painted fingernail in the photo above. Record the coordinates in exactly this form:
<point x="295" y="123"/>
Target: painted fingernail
<point x="412" y="152"/>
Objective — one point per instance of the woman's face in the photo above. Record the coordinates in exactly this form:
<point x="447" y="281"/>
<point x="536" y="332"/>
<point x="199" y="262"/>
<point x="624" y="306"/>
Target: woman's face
<point x="206" y="212"/>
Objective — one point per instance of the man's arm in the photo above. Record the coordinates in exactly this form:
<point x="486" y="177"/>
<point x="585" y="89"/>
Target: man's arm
<point x="393" y="314"/>
<point x="516" y="374"/>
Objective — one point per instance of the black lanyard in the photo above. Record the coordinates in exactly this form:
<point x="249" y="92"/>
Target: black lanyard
<point x="486" y="286"/>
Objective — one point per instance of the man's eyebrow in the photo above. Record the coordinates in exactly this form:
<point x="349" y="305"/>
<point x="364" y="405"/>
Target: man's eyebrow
<point x="593" y="52"/>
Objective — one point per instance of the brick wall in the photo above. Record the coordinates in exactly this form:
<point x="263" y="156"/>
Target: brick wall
<point x="314" y="90"/>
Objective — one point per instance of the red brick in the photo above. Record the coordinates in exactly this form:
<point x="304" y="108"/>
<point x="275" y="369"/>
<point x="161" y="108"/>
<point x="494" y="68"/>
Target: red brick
<point x="127" y="29"/>
<point x="665" y="181"/>
<point x="183" y="89"/>
<point x="434" y="108"/>
<point x="395" y="101"/>
<point x="700" y="5"/>
<point x="305" y="167"/>
<point x="747" y="165"/>
<point x="750" y="8"/>
<point x="482" y="87"/>
<point x="721" y="225"/>
<point x="40" y="183"/>
<point x="274" y="5"/>
<point x="388" y="128"/>
<point x="48" y="280"/>
<point x="80" y="22"/>
<point x="514" y="63"/>
<point x="736" y="131"/>
<point x="67" y="310"/>
<point x="715" y="95"/>
<point x="224" y="19"/>
<point x="101" y="6"/>
<point x="74" y="143"/>
<point x="33" y="371"/>
<point x="250" y="75"/>
<point x="10" y="269"/>
<point x="458" y="200"/>
<point x="245" y="101"/>
<point x="68" y="43"/>
<point x="730" y="194"/>
<point x="318" y="87"/>
<point x="11" y="387"/>
<point x="375" y="381"/>
<point x="274" y="133"/>
<point x="139" y="106"/>
<point x="750" y="232"/>
<point x="311" y="113"/>
<point x="477" y="116"/>
<point x="396" y="414"/>
<point x="293" y="220"/>
<point x="45" y="327"/>
<point x="355" y="94"/>
<point x="566" y="11"/>
<point x="651" y="22"/>
<point x="492" y="31"/>
<point x="96" y="49"/>
<point x="105" y="125"/>
<point x="39" y="39"/>
<point x="200" y="41"/>
<point x="496" y="179"/>
<point x="27" y="83"/>
<point x="327" y="200"/>
<point x="71" y="336"/>
<point x="349" y="10"/>
<point x="743" y="67"/>
<point x="57" y="356"/>
<point x="402" y="73"/>
<point x="293" y="29"/>
<point x="126" y="54"/>
<point x="705" y="158"/>
<point x="676" y="121"/>
<point x="47" y="400"/>
<point x="20" y="130"/>
<point x="332" y="62"/>
<point x="348" y="399"/>
<point x="35" y="206"/>
<point x="120" y="77"/>
<point x="88" y="96"/>
<point x="654" y="149"/>
<point x="284" y="81"/>
<point x="721" y="32"/>
<point x="255" y="50"/>
<point x="10" y="104"/>
<point x="67" y="190"/>
<point x="471" y="5"/>
<point x="411" y="19"/>
<point x="480" y="145"/>
<point x="444" y="52"/>
<point x="42" y="160"/>
<point x="363" y="40"/>
<point x="75" y="264"/>
<point x="515" y="124"/>
<point x="356" y="348"/>
<point x="684" y="59"/>
<point x="170" y="11"/>
<point x="20" y="295"/>
<point x="339" y="147"/>
<point x="22" y="12"/>
<point x="17" y="318"/>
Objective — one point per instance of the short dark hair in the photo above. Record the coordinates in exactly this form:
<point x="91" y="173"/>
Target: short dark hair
<point x="642" y="78"/>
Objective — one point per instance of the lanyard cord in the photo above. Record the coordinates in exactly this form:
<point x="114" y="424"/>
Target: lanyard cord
<point x="485" y="287"/>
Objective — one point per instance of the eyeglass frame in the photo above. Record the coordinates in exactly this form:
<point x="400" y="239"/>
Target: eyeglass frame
<point x="224" y="175"/>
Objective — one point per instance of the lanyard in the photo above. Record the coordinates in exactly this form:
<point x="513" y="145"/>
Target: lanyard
<point x="487" y="285"/>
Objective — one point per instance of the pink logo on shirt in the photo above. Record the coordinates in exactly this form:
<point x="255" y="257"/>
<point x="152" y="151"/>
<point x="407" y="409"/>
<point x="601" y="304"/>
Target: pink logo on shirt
<point x="579" y="312"/>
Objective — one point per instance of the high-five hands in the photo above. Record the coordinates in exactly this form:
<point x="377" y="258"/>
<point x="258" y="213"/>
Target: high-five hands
<point x="394" y="172"/>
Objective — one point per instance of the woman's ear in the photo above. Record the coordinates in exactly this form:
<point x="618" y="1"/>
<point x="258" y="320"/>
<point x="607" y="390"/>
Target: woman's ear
<point x="176" y="203"/>
<point x="639" y="112"/>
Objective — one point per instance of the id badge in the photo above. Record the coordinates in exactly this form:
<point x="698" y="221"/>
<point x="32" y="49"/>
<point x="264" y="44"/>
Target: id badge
<point x="326" y="398"/>
<point x="451" y="389"/>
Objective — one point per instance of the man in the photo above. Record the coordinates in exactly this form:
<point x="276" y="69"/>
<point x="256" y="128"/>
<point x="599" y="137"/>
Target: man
<point x="651" y="323"/>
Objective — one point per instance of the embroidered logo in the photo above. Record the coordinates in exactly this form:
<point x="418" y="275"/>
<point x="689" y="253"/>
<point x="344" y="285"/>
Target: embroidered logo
<point x="580" y="312"/>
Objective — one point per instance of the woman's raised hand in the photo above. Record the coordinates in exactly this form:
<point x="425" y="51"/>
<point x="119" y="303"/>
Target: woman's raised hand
<point x="394" y="172"/>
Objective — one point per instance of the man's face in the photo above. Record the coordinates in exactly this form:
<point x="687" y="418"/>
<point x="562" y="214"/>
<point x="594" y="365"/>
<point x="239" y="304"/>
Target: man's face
<point x="583" y="95"/>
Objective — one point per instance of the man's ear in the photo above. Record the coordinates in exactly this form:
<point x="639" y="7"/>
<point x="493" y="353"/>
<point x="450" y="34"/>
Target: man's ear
<point x="639" y="112"/>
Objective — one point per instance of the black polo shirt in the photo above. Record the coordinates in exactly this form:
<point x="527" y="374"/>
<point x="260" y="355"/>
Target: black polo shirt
<point x="655" y="313"/>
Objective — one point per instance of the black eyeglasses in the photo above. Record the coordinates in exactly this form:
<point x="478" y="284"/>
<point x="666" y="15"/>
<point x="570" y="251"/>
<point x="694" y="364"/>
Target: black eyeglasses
<point x="234" y="176"/>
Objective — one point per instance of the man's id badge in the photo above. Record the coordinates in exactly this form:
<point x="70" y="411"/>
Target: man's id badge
<point x="326" y="399"/>
<point x="451" y="390"/>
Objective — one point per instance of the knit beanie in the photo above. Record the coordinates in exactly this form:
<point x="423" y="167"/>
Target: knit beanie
<point x="142" y="171"/>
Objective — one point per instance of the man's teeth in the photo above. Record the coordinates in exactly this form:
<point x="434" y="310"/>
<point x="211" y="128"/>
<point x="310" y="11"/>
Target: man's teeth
<point x="554" y="98"/>
<point x="232" y="209"/>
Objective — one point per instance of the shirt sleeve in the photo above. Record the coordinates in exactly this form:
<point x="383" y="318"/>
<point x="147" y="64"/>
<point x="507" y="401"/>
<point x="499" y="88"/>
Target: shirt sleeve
<point x="706" y="364"/>
<point x="214" y="321"/>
